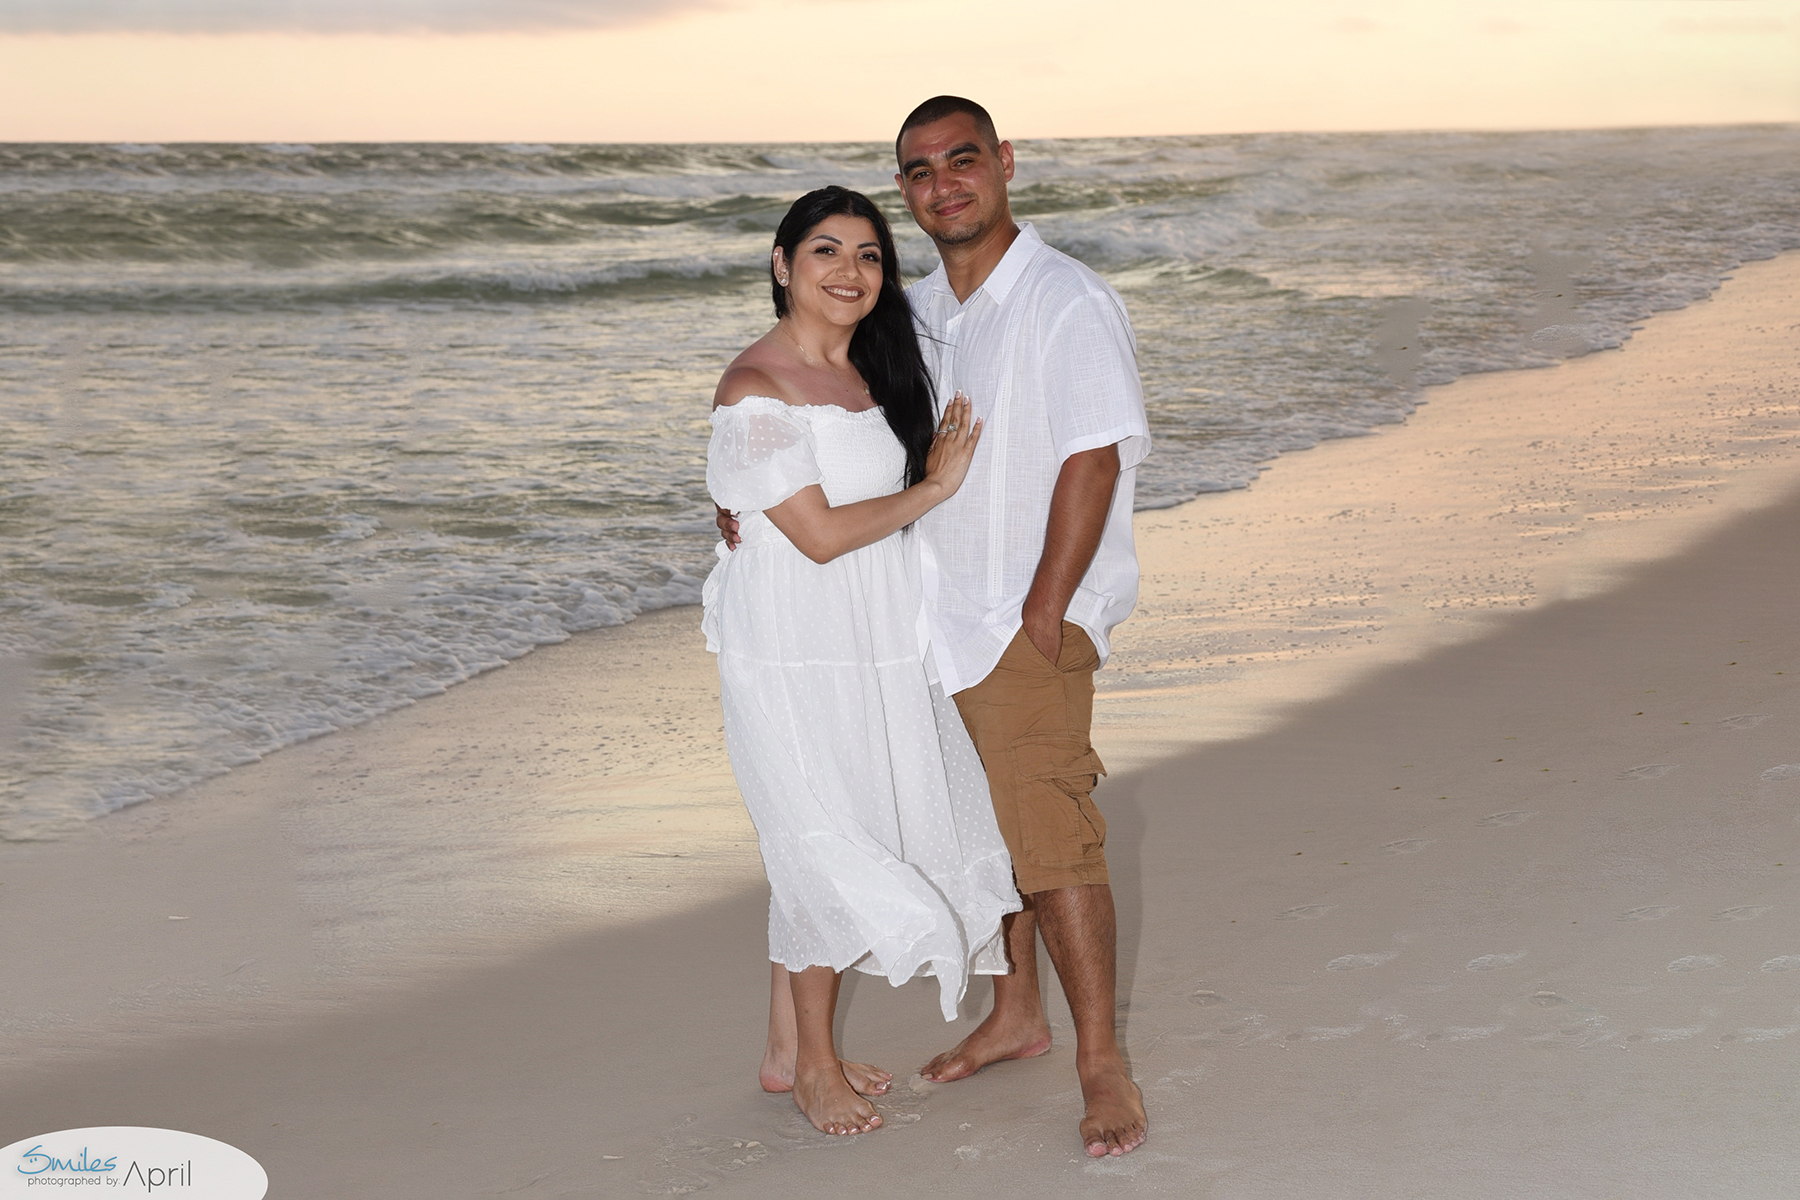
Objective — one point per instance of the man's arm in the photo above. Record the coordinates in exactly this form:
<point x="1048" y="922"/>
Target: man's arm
<point x="1078" y="508"/>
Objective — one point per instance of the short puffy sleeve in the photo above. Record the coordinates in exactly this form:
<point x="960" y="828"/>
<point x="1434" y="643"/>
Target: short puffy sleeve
<point x="761" y="453"/>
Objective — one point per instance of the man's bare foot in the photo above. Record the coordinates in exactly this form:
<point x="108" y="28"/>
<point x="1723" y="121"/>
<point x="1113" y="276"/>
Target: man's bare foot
<point x="831" y="1104"/>
<point x="777" y="1075"/>
<point x="994" y="1040"/>
<point x="1114" y="1123"/>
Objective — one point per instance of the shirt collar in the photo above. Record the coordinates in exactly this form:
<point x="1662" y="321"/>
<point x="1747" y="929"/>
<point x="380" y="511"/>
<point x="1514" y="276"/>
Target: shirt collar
<point x="1006" y="272"/>
<point x="1000" y="280"/>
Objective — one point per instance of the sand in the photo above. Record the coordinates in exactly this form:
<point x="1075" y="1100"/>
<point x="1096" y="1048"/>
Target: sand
<point x="1455" y="773"/>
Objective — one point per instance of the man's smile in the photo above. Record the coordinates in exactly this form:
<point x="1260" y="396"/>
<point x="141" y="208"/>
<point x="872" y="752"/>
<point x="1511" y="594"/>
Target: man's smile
<point x="952" y="206"/>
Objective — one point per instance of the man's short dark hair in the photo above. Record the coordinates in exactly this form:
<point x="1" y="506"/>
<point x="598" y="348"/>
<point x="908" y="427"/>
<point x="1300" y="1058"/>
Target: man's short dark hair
<point x="939" y="107"/>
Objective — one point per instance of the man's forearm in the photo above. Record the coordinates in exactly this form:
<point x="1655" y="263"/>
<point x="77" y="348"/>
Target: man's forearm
<point x="1078" y="508"/>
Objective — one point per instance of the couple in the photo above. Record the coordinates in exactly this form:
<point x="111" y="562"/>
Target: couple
<point x="932" y="503"/>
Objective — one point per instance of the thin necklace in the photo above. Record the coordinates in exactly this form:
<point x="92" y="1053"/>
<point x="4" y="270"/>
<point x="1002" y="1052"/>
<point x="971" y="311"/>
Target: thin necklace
<point x="806" y="355"/>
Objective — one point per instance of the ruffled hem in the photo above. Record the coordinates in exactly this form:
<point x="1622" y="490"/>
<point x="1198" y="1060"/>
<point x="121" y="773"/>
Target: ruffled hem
<point x="912" y="952"/>
<point x="900" y="958"/>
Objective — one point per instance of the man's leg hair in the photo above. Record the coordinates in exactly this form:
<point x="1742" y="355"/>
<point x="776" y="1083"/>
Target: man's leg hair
<point x="1080" y="932"/>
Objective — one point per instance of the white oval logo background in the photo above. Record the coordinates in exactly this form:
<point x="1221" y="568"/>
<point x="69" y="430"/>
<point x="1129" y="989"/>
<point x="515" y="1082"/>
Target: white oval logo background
<point x="129" y="1160"/>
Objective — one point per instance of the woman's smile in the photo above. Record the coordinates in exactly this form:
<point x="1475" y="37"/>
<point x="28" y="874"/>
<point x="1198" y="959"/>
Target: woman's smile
<point x="836" y="271"/>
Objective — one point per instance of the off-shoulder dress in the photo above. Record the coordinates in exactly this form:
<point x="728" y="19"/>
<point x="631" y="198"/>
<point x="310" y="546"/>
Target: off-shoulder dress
<point x="869" y="801"/>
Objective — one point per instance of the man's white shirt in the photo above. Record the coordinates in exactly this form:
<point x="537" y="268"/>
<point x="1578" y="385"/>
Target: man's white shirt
<point x="1045" y="353"/>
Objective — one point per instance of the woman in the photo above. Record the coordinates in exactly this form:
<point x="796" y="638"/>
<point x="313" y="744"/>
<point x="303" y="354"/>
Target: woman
<point x="869" y="801"/>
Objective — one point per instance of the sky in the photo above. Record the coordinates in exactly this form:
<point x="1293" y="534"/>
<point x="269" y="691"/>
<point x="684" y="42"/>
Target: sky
<point x="832" y="70"/>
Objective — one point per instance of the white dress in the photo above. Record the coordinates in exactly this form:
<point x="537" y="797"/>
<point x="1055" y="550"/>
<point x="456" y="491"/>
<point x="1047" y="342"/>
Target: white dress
<point x="869" y="801"/>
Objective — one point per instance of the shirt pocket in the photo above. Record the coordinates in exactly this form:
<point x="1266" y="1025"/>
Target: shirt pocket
<point x="1059" y="825"/>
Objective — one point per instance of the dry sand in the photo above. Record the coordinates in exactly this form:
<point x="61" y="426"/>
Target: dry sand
<point x="1453" y="822"/>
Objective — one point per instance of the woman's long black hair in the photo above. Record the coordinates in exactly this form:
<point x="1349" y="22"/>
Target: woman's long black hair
<point x="885" y="348"/>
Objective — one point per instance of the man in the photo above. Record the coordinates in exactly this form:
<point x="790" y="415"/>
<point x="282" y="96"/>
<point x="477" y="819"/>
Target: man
<point x="1026" y="571"/>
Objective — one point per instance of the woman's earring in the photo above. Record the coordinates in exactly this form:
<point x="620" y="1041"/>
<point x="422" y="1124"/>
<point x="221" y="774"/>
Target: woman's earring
<point x="781" y="279"/>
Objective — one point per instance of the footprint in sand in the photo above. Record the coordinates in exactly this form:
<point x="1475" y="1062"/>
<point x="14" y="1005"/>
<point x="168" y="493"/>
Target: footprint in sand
<point x="1591" y="1030"/>
<point x="1406" y="846"/>
<point x="1696" y="962"/>
<point x="1648" y="771"/>
<point x="1206" y="998"/>
<point x="1246" y="1032"/>
<point x="1507" y="818"/>
<point x="1649" y="912"/>
<point x="688" y="1163"/>
<point x="1320" y="1033"/>
<point x="1743" y="912"/>
<point x="905" y="1103"/>
<point x="1786" y="962"/>
<point x="1493" y="962"/>
<point x="1784" y="772"/>
<point x="1306" y="912"/>
<point x="1357" y="962"/>
<point x="1761" y="1035"/>
<point x="1464" y="1033"/>
<point x="1745" y="720"/>
<point x="1548" y="999"/>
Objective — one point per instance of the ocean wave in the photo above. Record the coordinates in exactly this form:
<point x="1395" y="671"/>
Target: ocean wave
<point x="91" y="229"/>
<point x="153" y="291"/>
<point x="433" y="168"/>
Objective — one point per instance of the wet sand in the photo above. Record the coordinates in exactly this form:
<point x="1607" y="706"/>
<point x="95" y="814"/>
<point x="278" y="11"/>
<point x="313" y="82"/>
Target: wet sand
<point x="1452" y="822"/>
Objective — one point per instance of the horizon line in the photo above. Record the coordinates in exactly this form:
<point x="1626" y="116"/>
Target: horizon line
<point x="529" y="141"/>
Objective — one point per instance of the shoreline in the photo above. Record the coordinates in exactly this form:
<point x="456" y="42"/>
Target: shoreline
<point x="1153" y="520"/>
<point x="439" y="864"/>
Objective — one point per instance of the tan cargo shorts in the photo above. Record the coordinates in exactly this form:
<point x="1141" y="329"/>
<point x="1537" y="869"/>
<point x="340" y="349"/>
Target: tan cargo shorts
<point x="1031" y="721"/>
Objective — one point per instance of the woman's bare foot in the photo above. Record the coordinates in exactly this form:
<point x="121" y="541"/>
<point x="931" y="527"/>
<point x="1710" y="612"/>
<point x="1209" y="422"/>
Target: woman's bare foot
<point x="779" y="1052"/>
<point x="1114" y="1122"/>
<point x="777" y="1074"/>
<point x="994" y="1040"/>
<point x="831" y="1104"/>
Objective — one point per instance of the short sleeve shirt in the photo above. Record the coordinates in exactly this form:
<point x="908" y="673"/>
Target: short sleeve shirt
<point x="1044" y="351"/>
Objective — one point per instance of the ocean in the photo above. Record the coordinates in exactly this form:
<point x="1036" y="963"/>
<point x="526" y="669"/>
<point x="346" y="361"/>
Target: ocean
<point x="294" y="435"/>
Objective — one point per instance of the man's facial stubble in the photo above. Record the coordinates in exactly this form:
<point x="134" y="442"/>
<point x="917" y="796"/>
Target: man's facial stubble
<point x="959" y="235"/>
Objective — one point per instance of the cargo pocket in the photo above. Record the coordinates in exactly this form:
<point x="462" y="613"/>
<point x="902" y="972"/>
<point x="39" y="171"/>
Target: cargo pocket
<point x="1058" y="823"/>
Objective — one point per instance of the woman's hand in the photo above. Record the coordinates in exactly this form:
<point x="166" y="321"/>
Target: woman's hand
<point x="953" y="448"/>
<point x="728" y="527"/>
<point x="822" y="532"/>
